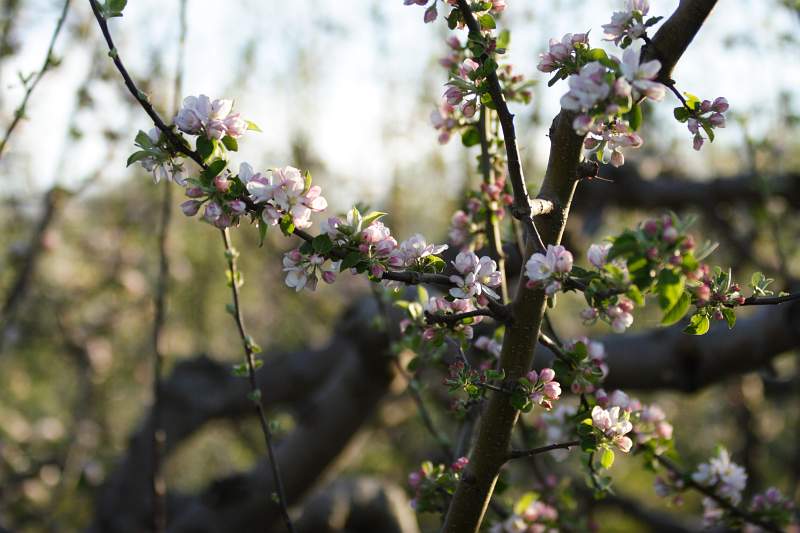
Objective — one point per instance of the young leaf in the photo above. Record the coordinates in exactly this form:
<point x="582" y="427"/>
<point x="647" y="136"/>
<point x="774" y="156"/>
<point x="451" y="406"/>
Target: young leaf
<point x="730" y="316"/>
<point x="607" y="459"/>
<point x="677" y="311"/>
<point x="470" y="137"/>
<point x="204" y="147"/>
<point x="230" y="143"/>
<point x="322" y="243"/>
<point x="136" y="156"/>
<point x="698" y="325"/>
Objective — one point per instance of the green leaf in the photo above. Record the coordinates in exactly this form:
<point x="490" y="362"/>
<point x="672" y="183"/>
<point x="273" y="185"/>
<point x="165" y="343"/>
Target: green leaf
<point x="114" y="8"/>
<point x="524" y="502"/>
<point x="322" y="243"/>
<point x="607" y="459"/>
<point x="698" y="325"/>
<point x="487" y="22"/>
<point x="708" y="129"/>
<point x="504" y="39"/>
<point x="634" y="294"/>
<point x="230" y="143"/>
<point x="471" y="137"/>
<point x="677" y="311"/>
<point x="350" y="260"/>
<point x="730" y="316"/>
<point x="252" y="126"/>
<point x="681" y="114"/>
<point x="215" y="168"/>
<point x="287" y="225"/>
<point x="597" y="54"/>
<point x="204" y="147"/>
<point x="307" y="179"/>
<point x="143" y="140"/>
<point x="670" y="287"/>
<point x="635" y="117"/>
<point x="262" y="232"/>
<point x="137" y="156"/>
<point x="372" y="217"/>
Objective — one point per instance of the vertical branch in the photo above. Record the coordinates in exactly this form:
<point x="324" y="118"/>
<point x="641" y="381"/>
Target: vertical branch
<point x="255" y="393"/>
<point x="158" y="484"/>
<point x="492" y="223"/>
<point x="48" y="62"/>
<point x="474" y="492"/>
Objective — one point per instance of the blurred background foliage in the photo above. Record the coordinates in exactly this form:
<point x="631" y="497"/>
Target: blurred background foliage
<point x="344" y="93"/>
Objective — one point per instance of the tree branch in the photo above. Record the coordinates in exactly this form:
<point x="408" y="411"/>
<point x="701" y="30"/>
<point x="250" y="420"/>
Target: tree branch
<point x="519" y="454"/>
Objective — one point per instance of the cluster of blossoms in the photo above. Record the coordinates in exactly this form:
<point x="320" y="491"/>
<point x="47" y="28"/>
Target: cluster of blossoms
<point x="541" y="387"/>
<point x="660" y="253"/>
<point x="774" y="507"/>
<point x="476" y="277"/>
<point x="726" y="477"/>
<point x="602" y="93"/>
<point x="212" y="118"/>
<point x="649" y="421"/>
<point x="612" y="425"/>
<point x="286" y="192"/>
<point x="587" y="365"/>
<point x="155" y="156"/>
<point x="303" y="271"/>
<point x="531" y="515"/>
<point x="564" y="54"/>
<point x="705" y="116"/>
<point x="628" y="25"/>
<point x="550" y="269"/>
<point x="431" y="13"/>
<point x="370" y="237"/>
<point x="439" y="306"/>
<point x="468" y="223"/>
<point x="434" y="484"/>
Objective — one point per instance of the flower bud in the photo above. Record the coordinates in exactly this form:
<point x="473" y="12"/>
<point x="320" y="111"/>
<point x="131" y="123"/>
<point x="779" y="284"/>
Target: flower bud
<point x="221" y="183"/>
<point x="194" y="192"/>
<point x="190" y="207"/>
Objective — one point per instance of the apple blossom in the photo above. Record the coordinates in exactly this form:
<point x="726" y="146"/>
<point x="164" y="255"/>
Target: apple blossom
<point x="726" y="477"/>
<point x="411" y="250"/>
<point x="549" y="268"/>
<point x="627" y="23"/>
<point x="641" y="76"/>
<point x="200" y="114"/>
<point x="613" y="426"/>
<point x="598" y="254"/>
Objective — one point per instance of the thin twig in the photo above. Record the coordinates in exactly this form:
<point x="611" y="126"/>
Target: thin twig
<point x="771" y="300"/>
<point x="453" y="319"/>
<point x="492" y="221"/>
<point x="178" y="144"/>
<point x="255" y="392"/>
<point x="518" y="454"/>
<point x="48" y="62"/>
<point x="522" y="202"/>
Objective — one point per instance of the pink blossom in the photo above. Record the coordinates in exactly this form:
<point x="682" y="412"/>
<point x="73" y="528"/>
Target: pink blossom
<point x="598" y="254"/>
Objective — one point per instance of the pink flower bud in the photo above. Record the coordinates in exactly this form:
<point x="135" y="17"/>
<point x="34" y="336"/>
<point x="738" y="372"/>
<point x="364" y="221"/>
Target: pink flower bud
<point x="469" y="108"/>
<point x="194" y="192"/>
<point x="328" y="276"/>
<point x="221" y="183"/>
<point x="532" y="376"/>
<point x="547" y="374"/>
<point x="651" y="228"/>
<point x="453" y="95"/>
<point x="697" y="143"/>
<point x="430" y="14"/>
<point x="670" y="235"/>
<point x="237" y="206"/>
<point x="652" y="253"/>
<point x="717" y="120"/>
<point x="720" y="105"/>
<point x="190" y="207"/>
<point x="552" y="389"/>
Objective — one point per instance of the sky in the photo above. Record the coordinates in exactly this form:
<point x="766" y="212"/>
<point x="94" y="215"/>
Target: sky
<point x="358" y="78"/>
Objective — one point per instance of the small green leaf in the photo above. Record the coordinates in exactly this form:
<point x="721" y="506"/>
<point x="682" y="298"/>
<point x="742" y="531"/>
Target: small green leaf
<point x="470" y="137"/>
<point x="322" y="243"/>
<point x="230" y="143"/>
<point x="698" y="325"/>
<point x="252" y="126"/>
<point x="204" y="147"/>
<point x="681" y="114"/>
<point x="215" y="168"/>
<point x="677" y="311"/>
<point x="730" y="316"/>
<point x="635" y="117"/>
<point x="487" y="22"/>
<point x="607" y="459"/>
<point x="287" y="225"/>
<point x="307" y="179"/>
<point x="350" y="260"/>
<point x="137" y="156"/>
<point x="262" y="232"/>
<point x="372" y="217"/>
